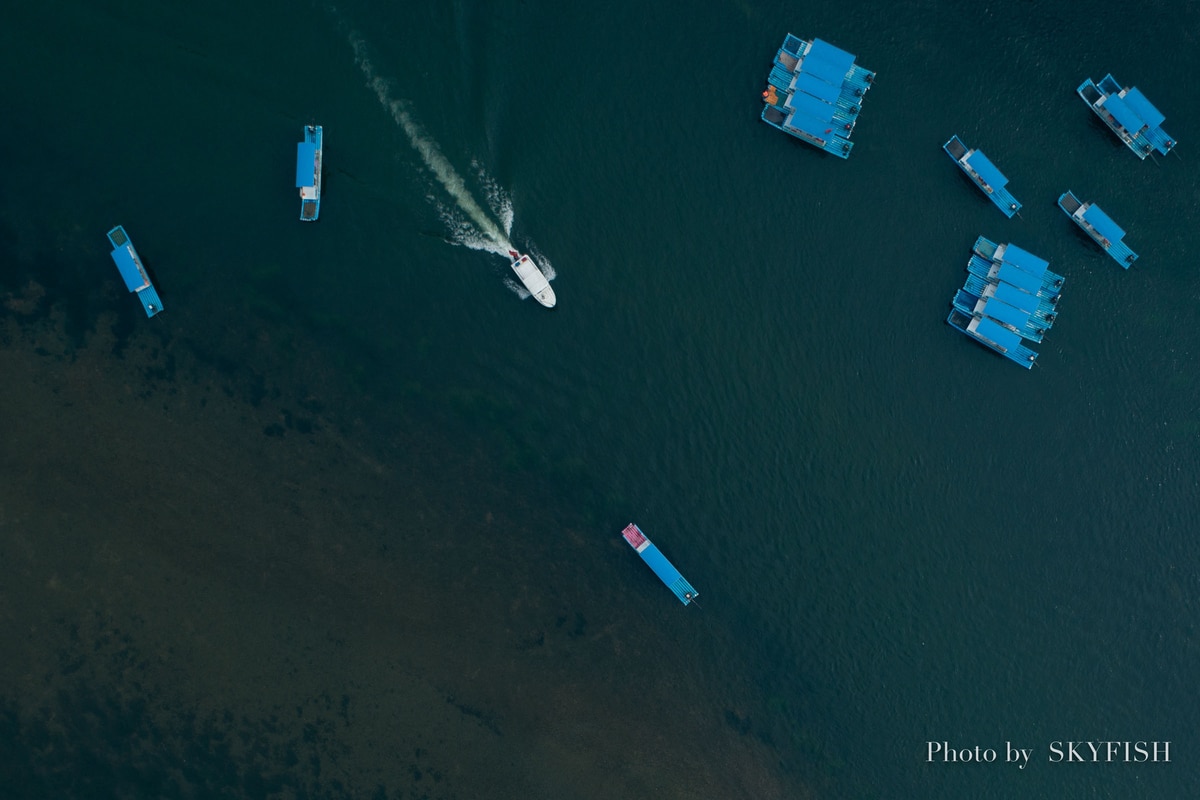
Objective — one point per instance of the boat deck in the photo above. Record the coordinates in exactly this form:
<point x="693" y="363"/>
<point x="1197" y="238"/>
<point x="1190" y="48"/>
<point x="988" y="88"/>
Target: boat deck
<point x="1099" y="227"/>
<point x="993" y="336"/>
<point x="309" y="154"/>
<point x="984" y="174"/>
<point x="133" y="271"/>
<point x="657" y="562"/>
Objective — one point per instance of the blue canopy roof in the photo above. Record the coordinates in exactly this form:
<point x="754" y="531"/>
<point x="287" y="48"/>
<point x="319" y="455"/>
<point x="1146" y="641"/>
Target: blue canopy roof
<point x="810" y="106"/>
<point x="134" y="279"/>
<point x="810" y="84"/>
<point x="1003" y="312"/>
<point x="1103" y="224"/>
<point x="662" y="568"/>
<point x="811" y="116"/>
<point x="1025" y="260"/>
<point x="306" y="163"/>
<point x="827" y="62"/>
<point x="998" y="334"/>
<point x="1019" y="278"/>
<point x="1144" y="108"/>
<point x="986" y="169"/>
<point x="1007" y="293"/>
<point x="820" y="128"/>
<point x="1128" y="118"/>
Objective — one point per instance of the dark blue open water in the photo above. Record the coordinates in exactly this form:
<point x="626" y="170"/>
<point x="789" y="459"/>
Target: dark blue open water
<point x="344" y="520"/>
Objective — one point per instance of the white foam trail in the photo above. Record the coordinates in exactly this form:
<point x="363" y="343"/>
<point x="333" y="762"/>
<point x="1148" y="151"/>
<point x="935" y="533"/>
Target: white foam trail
<point x="462" y="232"/>
<point x="543" y="263"/>
<point x="494" y="239"/>
<point x="476" y="230"/>
<point x="498" y="199"/>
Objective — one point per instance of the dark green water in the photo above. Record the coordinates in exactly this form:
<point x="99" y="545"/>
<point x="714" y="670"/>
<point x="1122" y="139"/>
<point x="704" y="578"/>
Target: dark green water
<point x="898" y="536"/>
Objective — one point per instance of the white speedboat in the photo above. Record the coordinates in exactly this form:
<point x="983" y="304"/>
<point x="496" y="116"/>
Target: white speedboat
<point x="532" y="278"/>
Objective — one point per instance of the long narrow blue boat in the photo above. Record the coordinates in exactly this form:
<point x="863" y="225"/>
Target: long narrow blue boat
<point x="133" y="271"/>
<point x="983" y="173"/>
<point x="308" y="172"/>
<point x="1129" y="115"/>
<point x="1098" y="225"/>
<point x="814" y="92"/>
<point x="1010" y="296"/>
<point x="663" y="568"/>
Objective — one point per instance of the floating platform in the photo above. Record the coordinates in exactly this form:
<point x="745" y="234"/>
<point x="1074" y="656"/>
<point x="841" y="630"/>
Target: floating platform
<point x="1098" y="225"/>
<point x="1128" y="114"/>
<point x="133" y="271"/>
<point x="814" y="92"/>
<point x="663" y="568"/>
<point x="984" y="174"/>
<point x="308" y="172"/>
<point x="1010" y="297"/>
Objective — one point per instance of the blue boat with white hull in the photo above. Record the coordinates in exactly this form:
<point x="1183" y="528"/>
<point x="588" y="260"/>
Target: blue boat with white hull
<point x="1128" y="114"/>
<point x="815" y="92"/>
<point x="994" y="336"/>
<point x="1010" y="295"/>
<point x="984" y="174"/>
<point x="663" y="568"/>
<point x="1099" y="226"/>
<point x="308" y="172"/>
<point x="133" y="271"/>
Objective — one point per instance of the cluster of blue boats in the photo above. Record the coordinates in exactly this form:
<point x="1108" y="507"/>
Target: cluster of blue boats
<point x="815" y="92"/>
<point x="1010" y="297"/>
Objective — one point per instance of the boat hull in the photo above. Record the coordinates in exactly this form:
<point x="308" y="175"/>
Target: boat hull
<point x="532" y="279"/>
<point x="308" y="172"/>
<point x="664" y="569"/>
<point x="133" y="271"/>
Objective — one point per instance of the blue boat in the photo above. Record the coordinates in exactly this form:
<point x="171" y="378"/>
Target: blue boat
<point x="133" y="271"/>
<point x="1132" y="117"/>
<point x="664" y="569"/>
<point x="1098" y="225"/>
<point x="983" y="173"/>
<point x="1010" y="297"/>
<point x="814" y="92"/>
<point x="308" y="172"/>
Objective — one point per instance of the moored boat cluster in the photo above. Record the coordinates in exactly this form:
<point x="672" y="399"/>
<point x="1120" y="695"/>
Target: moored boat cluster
<point x="814" y="93"/>
<point x="1010" y="298"/>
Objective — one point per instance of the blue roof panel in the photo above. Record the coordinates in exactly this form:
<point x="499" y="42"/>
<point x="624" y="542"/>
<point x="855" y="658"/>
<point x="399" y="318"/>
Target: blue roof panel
<point x="1003" y="312"/>
<point x="986" y="169"/>
<point x="1128" y="118"/>
<point x="1007" y="293"/>
<point x="836" y="57"/>
<point x="998" y="334"/>
<point x="811" y="106"/>
<point x="810" y="84"/>
<point x="1103" y="224"/>
<point x="1025" y="260"/>
<point x="128" y="268"/>
<point x="1019" y="278"/>
<point x="1144" y="108"/>
<point x="306" y="159"/>
<point x="820" y="128"/>
<point x="658" y="562"/>
<point x="827" y="62"/>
